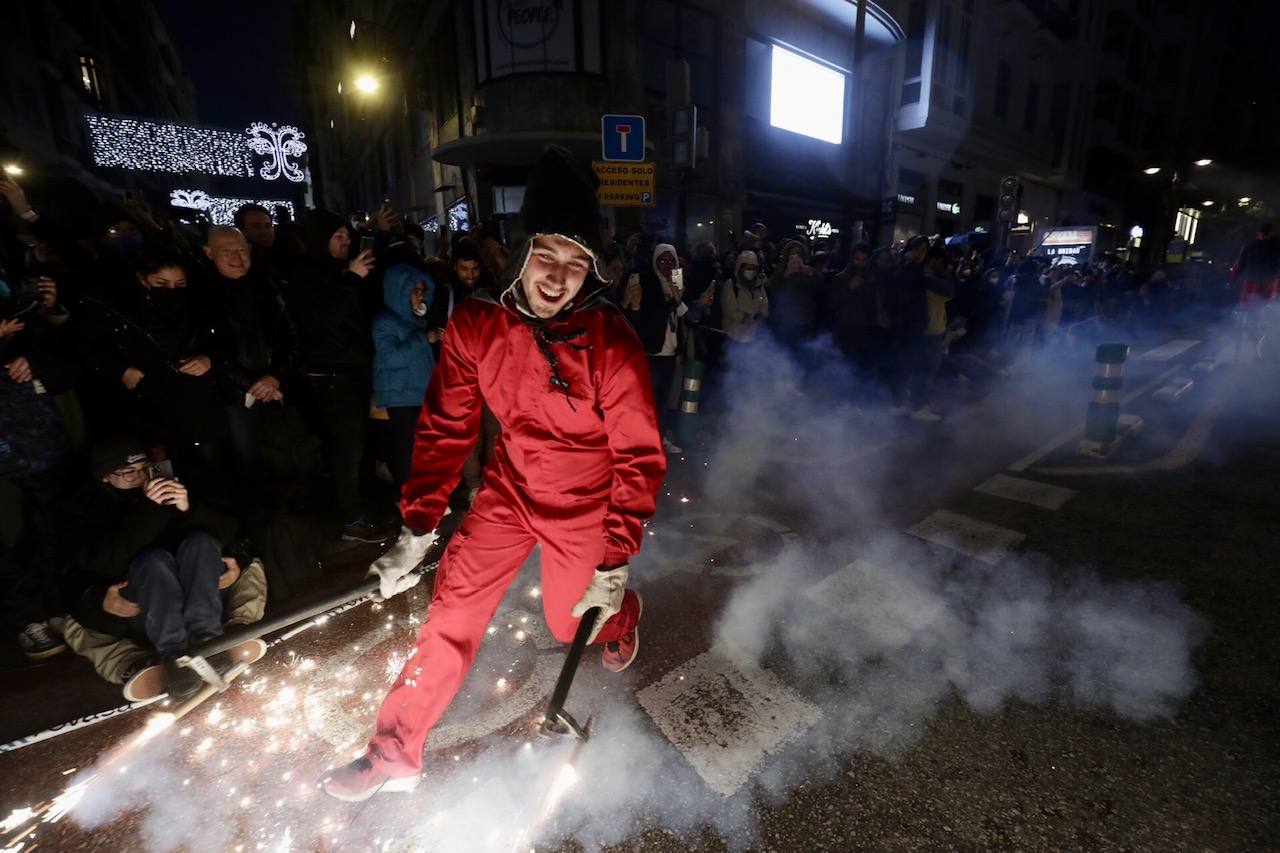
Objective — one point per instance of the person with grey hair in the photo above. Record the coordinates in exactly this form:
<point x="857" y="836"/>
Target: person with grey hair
<point x="258" y="350"/>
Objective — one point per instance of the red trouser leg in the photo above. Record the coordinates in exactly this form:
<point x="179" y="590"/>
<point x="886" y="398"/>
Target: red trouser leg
<point x="482" y="559"/>
<point x="571" y="550"/>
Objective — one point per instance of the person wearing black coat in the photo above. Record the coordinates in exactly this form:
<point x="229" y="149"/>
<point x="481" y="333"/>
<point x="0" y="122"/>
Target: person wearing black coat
<point x="326" y="301"/>
<point x="150" y="346"/>
<point x="256" y="359"/>
<point x="143" y="558"/>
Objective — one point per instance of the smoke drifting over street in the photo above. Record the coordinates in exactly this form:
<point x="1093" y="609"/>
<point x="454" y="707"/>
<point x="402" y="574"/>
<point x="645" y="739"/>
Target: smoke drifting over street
<point x="875" y="630"/>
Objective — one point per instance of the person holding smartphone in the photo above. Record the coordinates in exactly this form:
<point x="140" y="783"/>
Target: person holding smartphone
<point x="326" y="298"/>
<point x="142" y="559"/>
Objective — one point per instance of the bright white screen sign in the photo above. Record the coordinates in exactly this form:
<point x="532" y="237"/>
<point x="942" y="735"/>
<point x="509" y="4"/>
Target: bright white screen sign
<point x="806" y="97"/>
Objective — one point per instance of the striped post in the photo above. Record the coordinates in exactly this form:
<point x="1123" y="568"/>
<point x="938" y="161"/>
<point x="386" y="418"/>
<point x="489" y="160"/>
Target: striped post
<point x="690" y="388"/>
<point x="1100" y="425"/>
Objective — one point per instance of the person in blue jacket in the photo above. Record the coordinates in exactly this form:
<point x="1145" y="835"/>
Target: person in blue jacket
<point x="402" y="361"/>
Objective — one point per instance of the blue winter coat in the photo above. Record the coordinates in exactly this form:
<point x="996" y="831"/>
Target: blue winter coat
<point x="402" y="361"/>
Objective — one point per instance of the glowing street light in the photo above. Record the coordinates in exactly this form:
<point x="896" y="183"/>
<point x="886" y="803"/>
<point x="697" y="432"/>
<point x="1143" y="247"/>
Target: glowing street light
<point x="1205" y="161"/>
<point x="12" y="169"/>
<point x="1151" y="170"/>
<point x="1244" y="199"/>
<point x="367" y="84"/>
<point x="1207" y="202"/>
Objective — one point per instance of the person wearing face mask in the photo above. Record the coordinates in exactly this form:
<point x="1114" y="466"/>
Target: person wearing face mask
<point x="744" y="302"/>
<point x="656" y="314"/>
<point x="150" y="357"/>
<point x="402" y="361"/>
<point x="576" y="470"/>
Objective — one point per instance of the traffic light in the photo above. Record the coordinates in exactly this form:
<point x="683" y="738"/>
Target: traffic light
<point x="1010" y="199"/>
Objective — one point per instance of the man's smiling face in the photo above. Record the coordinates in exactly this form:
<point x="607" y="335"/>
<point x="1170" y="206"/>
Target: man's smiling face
<point x="553" y="276"/>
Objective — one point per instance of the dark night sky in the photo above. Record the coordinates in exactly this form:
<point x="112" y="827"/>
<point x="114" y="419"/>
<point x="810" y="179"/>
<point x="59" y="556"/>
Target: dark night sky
<point x="239" y="55"/>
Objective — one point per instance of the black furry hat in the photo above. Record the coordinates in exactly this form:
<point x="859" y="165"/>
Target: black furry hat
<point x="560" y="198"/>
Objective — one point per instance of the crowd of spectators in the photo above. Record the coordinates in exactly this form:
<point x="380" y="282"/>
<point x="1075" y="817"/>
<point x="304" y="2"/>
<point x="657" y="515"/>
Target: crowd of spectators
<point x="187" y="409"/>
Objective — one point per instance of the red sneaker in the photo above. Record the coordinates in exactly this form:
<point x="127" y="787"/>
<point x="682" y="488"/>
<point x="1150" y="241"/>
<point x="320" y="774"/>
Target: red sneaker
<point x="360" y="780"/>
<point x="619" y="654"/>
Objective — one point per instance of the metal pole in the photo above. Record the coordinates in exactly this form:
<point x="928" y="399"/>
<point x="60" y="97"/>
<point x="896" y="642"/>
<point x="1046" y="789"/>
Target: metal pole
<point x="556" y="715"/>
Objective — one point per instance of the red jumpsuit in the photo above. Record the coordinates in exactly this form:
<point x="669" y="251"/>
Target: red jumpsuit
<point x="578" y="475"/>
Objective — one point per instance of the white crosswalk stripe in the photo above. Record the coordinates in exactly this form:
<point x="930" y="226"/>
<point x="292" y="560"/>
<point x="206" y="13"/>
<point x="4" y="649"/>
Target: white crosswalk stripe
<point x="725" y="715"/>
<point x="989" y="543"/>
<point x="1164" y="352"/>
<point x="1026" y="491"/>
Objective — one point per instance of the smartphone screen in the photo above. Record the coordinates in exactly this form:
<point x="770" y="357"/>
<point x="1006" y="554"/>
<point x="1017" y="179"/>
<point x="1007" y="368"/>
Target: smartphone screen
<point x="366" y="243"/>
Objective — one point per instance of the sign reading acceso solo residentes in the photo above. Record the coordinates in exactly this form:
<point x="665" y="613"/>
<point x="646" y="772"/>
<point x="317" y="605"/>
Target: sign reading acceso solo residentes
<point x="625" y="184"/>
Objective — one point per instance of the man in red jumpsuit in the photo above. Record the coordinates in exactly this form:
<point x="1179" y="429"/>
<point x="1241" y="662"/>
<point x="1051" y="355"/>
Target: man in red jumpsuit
<point x="576" y="470"/>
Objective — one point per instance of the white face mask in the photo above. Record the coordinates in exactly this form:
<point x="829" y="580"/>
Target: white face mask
<point x="749" y="274"/>
<point x="420" y="309"/>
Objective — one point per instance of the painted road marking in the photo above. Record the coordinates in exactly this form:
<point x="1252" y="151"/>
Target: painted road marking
<point x="1026" y="491"/>
<point x="1058" y="440"/>
<point x="989" y="543"/>
<point x="725" y="715"/>
<point x="1168" y="351"/>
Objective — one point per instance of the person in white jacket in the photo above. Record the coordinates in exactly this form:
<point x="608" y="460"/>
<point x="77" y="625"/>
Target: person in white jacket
<point x="744" y="303"/>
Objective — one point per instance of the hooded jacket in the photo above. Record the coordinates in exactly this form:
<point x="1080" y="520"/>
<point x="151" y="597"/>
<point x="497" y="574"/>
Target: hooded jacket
<point x="656" y="321"/>
<point x="402" y="361"/>
<point x="572" y="396"/>
<point x="326" y="304"/>
<point x="744" y="304"/>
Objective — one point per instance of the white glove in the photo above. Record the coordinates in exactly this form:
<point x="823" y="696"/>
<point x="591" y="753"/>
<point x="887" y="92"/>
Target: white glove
<point x="605" y="591"/>
<point x="395" y="569"/>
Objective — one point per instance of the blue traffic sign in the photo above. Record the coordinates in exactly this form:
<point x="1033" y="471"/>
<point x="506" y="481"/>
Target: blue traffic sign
<point x="622" y="137"/>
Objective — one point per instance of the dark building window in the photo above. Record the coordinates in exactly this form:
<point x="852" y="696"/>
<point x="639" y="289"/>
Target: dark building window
<point x="911" y="76"/>
<point x="89" y="80"/>
<point x="1030" y="117"/>
<point x="1004" y="86"/>
<point x="672" y="32"/>
<point x="984" y="208"/>
<point x="1106" y="100"/>
<point x="1059" y="108"/>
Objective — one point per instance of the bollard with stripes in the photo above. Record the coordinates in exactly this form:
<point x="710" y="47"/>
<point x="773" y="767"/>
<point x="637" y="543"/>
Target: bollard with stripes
<point x="1102" y="422"/>
<point x="690" y="388"/>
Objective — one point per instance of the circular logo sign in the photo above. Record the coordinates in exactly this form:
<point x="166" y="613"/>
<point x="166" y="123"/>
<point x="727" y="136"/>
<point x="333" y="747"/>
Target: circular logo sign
<point x="528" y="23"/>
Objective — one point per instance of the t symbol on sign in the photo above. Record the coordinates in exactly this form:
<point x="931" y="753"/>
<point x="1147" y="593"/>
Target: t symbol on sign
<point x="624" y="130"/>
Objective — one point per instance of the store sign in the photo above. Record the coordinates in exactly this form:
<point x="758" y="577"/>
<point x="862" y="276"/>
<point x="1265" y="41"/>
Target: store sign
<point x="1020" y="228"/>
<point x="952" y="207"/>
<point x="625" y="184"/>
<point x="1073" y="245"/>
<point x="819" y="228"/>
<point x="536" y="36"/>
<point x="906" y="198"/>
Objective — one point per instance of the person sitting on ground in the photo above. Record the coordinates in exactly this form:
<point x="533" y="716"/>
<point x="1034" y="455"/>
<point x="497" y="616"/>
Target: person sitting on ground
<point x="143" y="560"/>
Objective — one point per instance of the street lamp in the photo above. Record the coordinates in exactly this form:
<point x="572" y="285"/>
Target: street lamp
<point x="12" y="169"/>
<point x="1205" y="161"/>
<point x="1207" y="202"/>
<point x="1243" y="200"/>
<point x="1151" y="170"/>
<point x="366" y="83"/>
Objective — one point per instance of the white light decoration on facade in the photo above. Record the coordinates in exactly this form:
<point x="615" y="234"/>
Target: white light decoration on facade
<point x="125" y="143"/>
<point x="221" y="209"/>
<point x="277" y="143"/>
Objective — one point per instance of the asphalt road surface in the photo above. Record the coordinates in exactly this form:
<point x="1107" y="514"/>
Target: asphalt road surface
<point x="860" y="633"/>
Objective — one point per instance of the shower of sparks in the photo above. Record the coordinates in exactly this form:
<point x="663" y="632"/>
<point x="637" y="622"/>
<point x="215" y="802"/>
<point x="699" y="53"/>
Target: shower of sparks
<point x="67" y="800"/>
<point x="16" y="818"/>
<point x="535" y="592"/>
<point x="395" y="663"/>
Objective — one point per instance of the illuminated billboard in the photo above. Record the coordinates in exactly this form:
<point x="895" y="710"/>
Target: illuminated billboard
<point x="806" y="97"/>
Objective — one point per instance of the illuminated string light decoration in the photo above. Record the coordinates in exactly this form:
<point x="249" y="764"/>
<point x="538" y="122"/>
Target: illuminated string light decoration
<point x="277" y="143"/>
<point x="222" y="209"/>
<point x="148" y="146"/>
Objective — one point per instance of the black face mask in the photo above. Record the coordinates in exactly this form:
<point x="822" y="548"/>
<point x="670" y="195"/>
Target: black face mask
<point x="170" y="302"/>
